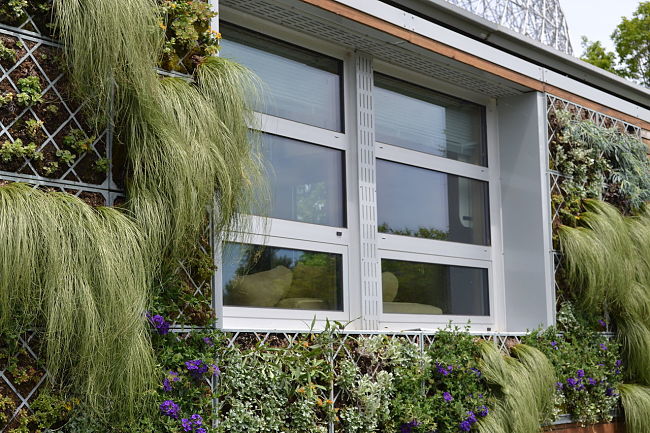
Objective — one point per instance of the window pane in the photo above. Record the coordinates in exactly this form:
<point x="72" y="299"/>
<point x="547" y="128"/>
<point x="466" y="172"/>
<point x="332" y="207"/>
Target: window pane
<point x="299" y="84"/>
<point x="270" y="277"/>
<point x="420" y="119"/>
<point x="306" y="181"/>
<point x="429" y="204"/>
<point x="429" y="288"/>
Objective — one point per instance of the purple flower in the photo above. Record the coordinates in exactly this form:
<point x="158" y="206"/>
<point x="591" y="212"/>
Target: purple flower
<point x="559" y="385"/>
<point x="602" y="346"/>
<point x="471" y="417"/>
<point x="173" y="376"/>
<point x="609" y="392"/>
<point x="580" y="373"/>
<point x="476" y="371"/>
<point x="187" y="425"/>
<point x="465" y="425"/>
<point x="447" y="396"/>
<point x="554" y="345"/>
<point x="169" y="408"/>
<point x="602" y="323"/>
<point x="442" y="370"/>
<point x="409" y="426"/>
<point x="215" y="370"/>
<point x="618" y="363"/>
<point x="167" y="386"/>
<point x="592" y="381"/>
<point x="200" y="430"/>
<point x="483" y="411"/>
<point x="196" y="419"/>
<point x="208" y="341"/>
<point x="159" y="323"/>
<point x="196" y="368"/>
<point x="571" y="382"/>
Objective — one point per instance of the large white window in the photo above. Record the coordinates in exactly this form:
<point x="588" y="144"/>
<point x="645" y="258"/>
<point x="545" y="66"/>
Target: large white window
<point x="295" y="266"/>
<point x="436" y="207"/>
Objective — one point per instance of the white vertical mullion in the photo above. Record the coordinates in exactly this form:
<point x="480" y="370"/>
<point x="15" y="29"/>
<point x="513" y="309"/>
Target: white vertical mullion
<point x="370" y="270"/>
<point x="214" y="24"/>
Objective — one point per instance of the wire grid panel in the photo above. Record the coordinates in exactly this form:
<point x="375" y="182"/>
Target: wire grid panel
<point x="347" y="346"/>
<point x="555" y="177"/>
<point x="55" y="125"/>
<point x="21" y="376"/>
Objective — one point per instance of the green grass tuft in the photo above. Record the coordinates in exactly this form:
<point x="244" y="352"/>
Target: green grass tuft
<point x="636" y="403"/>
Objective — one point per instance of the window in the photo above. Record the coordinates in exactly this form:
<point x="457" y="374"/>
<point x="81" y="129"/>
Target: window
<point x="432" y="204"/>
<point x="263" y="276"/>
<point x="306" y="181"/>
<point x="297" y="84"/>
<point x="318" y="255"/>
<point x="295" y="267"/>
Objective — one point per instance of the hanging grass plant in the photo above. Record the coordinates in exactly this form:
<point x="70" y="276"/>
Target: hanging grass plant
<point x="636" y="403"/>
<point x="527" y="383"/>
<point x="85" y="275"/>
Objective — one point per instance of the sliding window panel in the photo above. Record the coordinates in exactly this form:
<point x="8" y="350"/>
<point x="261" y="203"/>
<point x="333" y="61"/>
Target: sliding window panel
<point x="420" y="119"/>
<point x="296" y="83"/>
<point x="306" y="181"/>
<point x="429" y="204"/>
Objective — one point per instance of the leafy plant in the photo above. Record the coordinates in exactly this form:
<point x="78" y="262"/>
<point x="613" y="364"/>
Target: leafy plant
<point x="77" y="140"/>
<point x="101" y="165"/>
<point x="66" y="156"/>
<point x="7" y="54"/>
<point x="30" y="91"/>
<point x="33" y="127"/>
<point x="6" y="98"/>
<point x="10" y="151"/>
<point x="587" y="364"/>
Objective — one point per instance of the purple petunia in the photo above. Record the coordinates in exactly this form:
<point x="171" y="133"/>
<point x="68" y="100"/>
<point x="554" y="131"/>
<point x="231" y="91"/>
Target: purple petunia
<point x="409" y="426"/>
<point x="208" y="341"/>
<point x="167" y="386"/>
<point x="200" y="430"/>
<point x="580" y="373"/>
<point x="602" y="323"/>
<point x="444" y="370"/>
<point x="572" y="382"/>
<point x="476" y="371"/>
<point x="554" y="345"/>
<point x="186" y="424"/>
<point x="215" y="370"/>
<point x="447" y="396"/>
<point x="602" y="346"/>
<point x="618" y="363"/>
<point x="609" y="392"/>
<point x="592" y="381"/>
<point x="559" y="385"/>
<point x="158" y="322"/>
<point x="196" y="419"/>
<point x="471" y="417"/>
<point x="169" y="408"/>
<point x="196" y="368"/>
<point x="483" y="411"/>
<point x="465" y="425"/>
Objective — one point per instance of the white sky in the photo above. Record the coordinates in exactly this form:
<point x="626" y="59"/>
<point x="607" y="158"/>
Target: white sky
<point x="595" y="19"/>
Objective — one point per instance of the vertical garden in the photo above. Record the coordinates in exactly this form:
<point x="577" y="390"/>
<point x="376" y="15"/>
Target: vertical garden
<point x="121" y="132"/>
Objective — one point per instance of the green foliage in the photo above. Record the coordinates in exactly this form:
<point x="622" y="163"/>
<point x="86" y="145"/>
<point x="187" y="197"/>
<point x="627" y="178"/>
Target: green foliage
<point x="587" y="365"/>
<point x="84" y="274"/>
<point x="6" y="98"/>
<point x="597" y="55"/>
<point x="631" y="39"/>
<point x="102" y="165"/>
<point x="188" y="37"/>
<point x="606" y="260"/>
<point x="30" y="91"/>
<point x="16" y="11"/>
<point x="636" y="403"/>
<point x="66" y="156"/>
<point x="77" y="140"/>
<point x="598" y="161"/>
<point x="526" y="382"/>
<point x="33" y="127"/>
<point x="50" y="411"/>
<point x="9" y="151"/>
<point x="7" y="54"/>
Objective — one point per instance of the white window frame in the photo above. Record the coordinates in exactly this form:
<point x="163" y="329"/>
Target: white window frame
<point x="422" y="250"/>
<point x="276" y="232"/>
<point x="346" y="241"/>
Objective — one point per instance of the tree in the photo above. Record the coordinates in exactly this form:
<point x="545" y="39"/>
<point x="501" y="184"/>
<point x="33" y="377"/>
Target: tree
<point x="632" y="41"/>
<point x="597" y="55"/>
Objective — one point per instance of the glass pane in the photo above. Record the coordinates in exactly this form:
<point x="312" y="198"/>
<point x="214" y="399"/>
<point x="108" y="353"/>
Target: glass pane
<point x="306" y="181"/>
<point x="420" y="119"/>
<point x="270" y="277"/>
<point x="414" y="201"/>
<point x="429" y="288"/>
<point x="299" y="84"/>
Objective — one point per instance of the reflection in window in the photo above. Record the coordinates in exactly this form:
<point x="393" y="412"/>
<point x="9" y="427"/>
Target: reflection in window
<point x="270" y="277"/>
<point x="428" y="288"/>
<point x="299" y="84"/>
<point x="423" y="203"/>
<point x="306" y="181"/>
<point x="420" y="119"/>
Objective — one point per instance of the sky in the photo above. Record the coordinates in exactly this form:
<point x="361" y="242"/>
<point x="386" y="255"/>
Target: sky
<point x="595" y="19"/>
